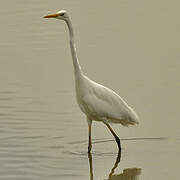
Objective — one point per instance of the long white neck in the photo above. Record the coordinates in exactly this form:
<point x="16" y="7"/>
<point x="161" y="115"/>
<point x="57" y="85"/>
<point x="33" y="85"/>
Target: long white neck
<point x="77" y="67"/>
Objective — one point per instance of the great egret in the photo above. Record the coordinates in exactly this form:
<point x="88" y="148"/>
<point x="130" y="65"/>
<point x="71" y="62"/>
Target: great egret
<point x="99" y="103"/>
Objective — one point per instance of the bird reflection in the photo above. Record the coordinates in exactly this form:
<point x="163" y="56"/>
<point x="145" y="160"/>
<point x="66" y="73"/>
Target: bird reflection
<point x="90" y="165"/>
<point x="127" y="174"/>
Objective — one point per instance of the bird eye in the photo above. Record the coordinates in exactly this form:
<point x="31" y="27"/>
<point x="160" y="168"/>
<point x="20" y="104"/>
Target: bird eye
<point x="62" y="14"/>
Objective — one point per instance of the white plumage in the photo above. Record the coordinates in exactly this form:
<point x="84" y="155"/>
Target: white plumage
<point x="99" y="103"/>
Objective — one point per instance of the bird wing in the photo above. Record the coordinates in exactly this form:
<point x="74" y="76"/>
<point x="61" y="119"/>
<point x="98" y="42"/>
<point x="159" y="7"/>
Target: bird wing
<point x="102" y="102"/>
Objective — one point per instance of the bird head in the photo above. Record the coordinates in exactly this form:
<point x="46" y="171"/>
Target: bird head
<point x="62" y="15"/>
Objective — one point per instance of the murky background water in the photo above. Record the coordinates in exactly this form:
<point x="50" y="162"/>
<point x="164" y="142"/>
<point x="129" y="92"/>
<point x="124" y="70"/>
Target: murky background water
<point x="130" y="46"/>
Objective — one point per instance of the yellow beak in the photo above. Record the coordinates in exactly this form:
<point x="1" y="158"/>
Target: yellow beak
<point x="51" y="16"/>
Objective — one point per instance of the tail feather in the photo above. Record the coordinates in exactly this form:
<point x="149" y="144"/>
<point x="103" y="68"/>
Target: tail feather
<point x="124" y="122"/>
<point x="128" y="122"/>
<point x="131" y="119"/>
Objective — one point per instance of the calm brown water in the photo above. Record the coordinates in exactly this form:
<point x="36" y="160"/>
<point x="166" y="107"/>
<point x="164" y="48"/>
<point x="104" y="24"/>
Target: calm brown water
<point x="130" y="46"/>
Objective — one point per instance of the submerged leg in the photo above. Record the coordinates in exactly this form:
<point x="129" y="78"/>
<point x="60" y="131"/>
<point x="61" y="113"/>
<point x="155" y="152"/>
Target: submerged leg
<point x="89" y="130"/>
<point x="114" y="134"/>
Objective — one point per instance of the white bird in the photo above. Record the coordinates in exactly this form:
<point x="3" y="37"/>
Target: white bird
<point x="97" y="102"/>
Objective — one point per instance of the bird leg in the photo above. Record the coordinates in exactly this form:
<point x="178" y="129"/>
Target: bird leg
<point x="89" y="130"/>
<point x="114" y="134"/>
<point x="90" y="143"/>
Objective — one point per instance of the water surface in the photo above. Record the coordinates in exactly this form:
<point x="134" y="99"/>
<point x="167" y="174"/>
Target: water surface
<point x="130" y="46"/>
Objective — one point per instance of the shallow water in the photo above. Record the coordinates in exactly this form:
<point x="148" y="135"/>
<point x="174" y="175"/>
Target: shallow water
<point x="42" y="131"/>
